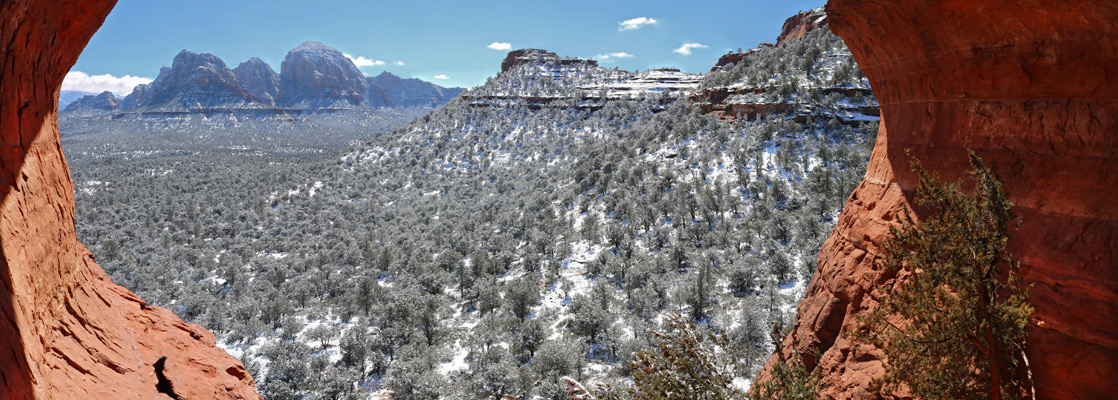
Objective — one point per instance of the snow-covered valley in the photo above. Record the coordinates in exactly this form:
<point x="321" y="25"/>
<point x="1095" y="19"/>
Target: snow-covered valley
<point x="539" y="226"/>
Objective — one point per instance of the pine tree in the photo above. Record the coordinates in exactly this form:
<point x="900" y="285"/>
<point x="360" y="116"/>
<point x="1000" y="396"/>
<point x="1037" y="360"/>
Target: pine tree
<point x="687" y="363"/>
<point x="955" y="327"/>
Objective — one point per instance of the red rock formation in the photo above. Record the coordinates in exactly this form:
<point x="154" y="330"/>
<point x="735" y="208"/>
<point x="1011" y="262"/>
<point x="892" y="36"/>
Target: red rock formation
<point x="67" y="331"/>
<point x="733" y="58"/>
<point x="1030" y="86"/>
<point x="517" y="57"/>
<point x="800" y="24"/>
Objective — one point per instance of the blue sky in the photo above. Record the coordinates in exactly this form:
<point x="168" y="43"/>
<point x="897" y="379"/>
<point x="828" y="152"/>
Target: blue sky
<point x="446" y="42"/>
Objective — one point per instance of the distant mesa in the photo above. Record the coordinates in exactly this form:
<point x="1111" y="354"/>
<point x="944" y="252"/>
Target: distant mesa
<point x="95" y="103"/>
<point x="312" y="77"/>
<point x="517" y="57"/>
<point x="540" y="79"/>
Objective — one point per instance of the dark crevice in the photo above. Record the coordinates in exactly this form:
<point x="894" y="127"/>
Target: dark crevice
<point x="162" y="384"/>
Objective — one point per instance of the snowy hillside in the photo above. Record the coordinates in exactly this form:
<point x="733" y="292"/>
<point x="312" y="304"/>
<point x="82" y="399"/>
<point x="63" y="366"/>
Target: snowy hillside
<point x="533" y="228"/>
<point x="815" y="75"/>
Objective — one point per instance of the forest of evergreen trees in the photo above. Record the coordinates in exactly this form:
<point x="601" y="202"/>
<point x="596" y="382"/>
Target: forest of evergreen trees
<point x="479" y="252"/>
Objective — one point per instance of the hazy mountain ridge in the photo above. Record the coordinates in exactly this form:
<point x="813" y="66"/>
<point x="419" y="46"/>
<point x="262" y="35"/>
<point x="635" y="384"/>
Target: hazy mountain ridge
<point x="413" y="92"/>
<point x="93" y="104"/>
<point x="313" y="77"/>
<point x="65" y="97"/>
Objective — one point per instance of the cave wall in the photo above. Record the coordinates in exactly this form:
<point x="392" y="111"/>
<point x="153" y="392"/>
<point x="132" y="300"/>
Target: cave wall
<point x="68" y="331"/>
<point x="1029" y="85"/>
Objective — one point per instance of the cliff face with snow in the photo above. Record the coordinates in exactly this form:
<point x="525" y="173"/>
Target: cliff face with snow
<point x="542" y="79"/>
<point x="1027" y="86"/>
<point x="810" y="73"/>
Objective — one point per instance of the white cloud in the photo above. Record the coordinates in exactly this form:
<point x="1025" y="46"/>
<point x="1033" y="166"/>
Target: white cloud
<point x="635" y="23"/>
<point x="400" y="63"/>
<point x="363" y="62"/>
<point x="77" y="80"/>
<point x="613" y="55"/>
<point x="686" y="48"/>
<point x="442" y="77"/>
<point x="500" y="46"/>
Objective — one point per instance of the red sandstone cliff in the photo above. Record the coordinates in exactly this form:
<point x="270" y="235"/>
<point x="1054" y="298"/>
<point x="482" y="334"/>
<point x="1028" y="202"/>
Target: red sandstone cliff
<point x="1030" y="85"/>
<point x="800" y="24"/>
<point x="67" y="331"/>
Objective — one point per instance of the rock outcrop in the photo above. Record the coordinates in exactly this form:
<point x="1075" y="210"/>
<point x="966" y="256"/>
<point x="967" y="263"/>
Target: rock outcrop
<point x="1029" y="86"/>
<point x="96" y="103"/>
<point x="800" y="24"/>
<point x="260" y="80"/>
<point x="517" y="57"/>
<point x="316" y="75"/>
<point x="67" y="331"/>
<point x="539" y="79"/>
<point x="140" y="95"/>
<point x="794" y="28"/>
<point x="195" y="81"/>
<point x="735" y="57"/>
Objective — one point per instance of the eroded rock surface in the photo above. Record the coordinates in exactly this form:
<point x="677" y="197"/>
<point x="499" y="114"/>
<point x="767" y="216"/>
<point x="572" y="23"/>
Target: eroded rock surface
<point x="260" y="80"/>
<point x="800" y="24"/>
<point x="67" y="331"/>
<point x="1028" y="85"/>
<point x="195" y="81"/>
<point x="318" y="75"/>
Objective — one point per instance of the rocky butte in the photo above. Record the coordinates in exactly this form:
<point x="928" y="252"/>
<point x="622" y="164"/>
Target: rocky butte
<point x="317" y="75"/>
<point x="517" y="57"/>
<point x="67" y="331"/>
<point x="1028" y="85"/>
<point x="313" y="77"/>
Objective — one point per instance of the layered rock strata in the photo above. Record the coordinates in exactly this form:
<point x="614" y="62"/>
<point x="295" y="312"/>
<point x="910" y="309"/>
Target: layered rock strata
<point x="67" y="331"/>
<point x="1029" y="86"/>
<point x="517" y="57"/>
